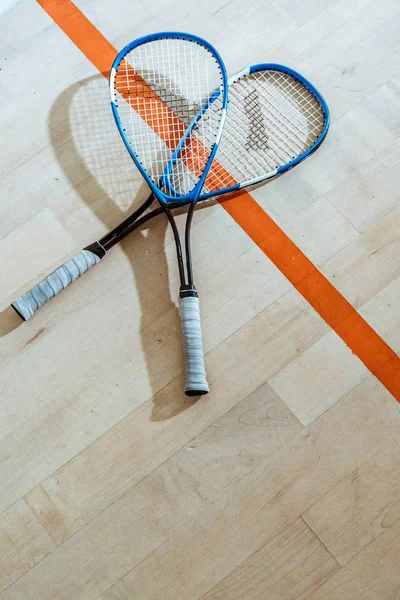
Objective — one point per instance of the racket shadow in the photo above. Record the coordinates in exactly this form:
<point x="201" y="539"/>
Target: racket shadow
<point x="104" y="181"/>
<point x="9" y="321"/>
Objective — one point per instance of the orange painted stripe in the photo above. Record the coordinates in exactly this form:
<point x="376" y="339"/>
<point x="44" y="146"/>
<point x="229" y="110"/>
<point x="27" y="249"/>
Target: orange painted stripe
<point x="364" y="342"/>
<point x="169" y="128"/>
<point x="149" y="106"/>
<point x="82" y="32"/>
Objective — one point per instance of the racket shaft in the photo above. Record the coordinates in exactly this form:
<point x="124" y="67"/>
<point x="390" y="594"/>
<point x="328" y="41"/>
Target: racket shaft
<point x="196" y="382"/>
<point x="57" y="281"/>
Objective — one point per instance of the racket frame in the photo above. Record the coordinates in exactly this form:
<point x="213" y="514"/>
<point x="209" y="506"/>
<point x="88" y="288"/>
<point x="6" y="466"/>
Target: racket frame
<point x="163" y="197"/>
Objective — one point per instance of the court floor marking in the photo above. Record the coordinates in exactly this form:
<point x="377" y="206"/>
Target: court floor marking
<point x="336" y="311"/>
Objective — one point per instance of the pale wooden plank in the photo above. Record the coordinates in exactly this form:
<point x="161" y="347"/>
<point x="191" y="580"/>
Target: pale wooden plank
<point x="358" y="25"/>
<point x="360" y="508"/>
<point x="365" y="199"/>
<point x="366" y="502"/>
<point x="23" y="543"/>
<point x="345" y="72"/>
<point x="343" y="20"/>
<point x="44" y="179"/>
<point x="293" y="193"/>
<point x="321" y="231"/>
<point x="241" y="440"/>
<point x="29" y="249"/>
<point x="205" y="19"/>
<point x="336" y="171"/>
<point x="7" y="5"/>
<point x="302" y="12"/>
<point x="15" y="35"/>
<point x="234" y="446"/>
<point x="310" y="391"/>
<point x="371" y="575"/>
<point x="128" y="452"/>
<point x="382" y="313"/>
<point x="29" y="163"/>
<point x="98" y="557"/>
<point x="383" y="104"/>
<point x="368" y="263"/>
<point x="207" y="544"/>
<point x="291" y="565"/>
<point x="111" y="594"/>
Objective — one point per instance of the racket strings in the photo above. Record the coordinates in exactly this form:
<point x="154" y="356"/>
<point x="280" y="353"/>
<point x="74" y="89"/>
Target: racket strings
<point x="272" y="119"/>
<point x="164" y="88"/>
<point x="302" y="100"/>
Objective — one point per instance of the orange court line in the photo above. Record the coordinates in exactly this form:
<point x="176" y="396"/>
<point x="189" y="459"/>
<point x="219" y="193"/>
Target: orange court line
<point x="169" y="127"/>
<point x="338" y="313"/>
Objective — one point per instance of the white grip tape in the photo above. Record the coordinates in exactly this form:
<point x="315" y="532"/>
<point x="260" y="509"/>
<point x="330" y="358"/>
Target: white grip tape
<point x="30" y="302"/>
<point x="196" y="382"/>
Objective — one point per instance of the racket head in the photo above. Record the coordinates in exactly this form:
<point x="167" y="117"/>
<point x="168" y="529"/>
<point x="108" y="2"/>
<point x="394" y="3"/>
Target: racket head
<point x="276" y="119"/>
<point x="162" y="89"/>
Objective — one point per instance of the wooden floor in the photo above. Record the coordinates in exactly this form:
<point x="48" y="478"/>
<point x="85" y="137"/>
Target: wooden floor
<point x="282" y="483"/>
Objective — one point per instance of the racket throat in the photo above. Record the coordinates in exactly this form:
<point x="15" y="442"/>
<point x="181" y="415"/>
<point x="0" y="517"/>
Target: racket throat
<point x="188" y="290"/>
<point x="96" y="248"/>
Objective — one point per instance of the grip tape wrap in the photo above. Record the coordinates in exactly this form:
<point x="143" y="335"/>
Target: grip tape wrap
<point x="30" y="302"/>
<point x="196" y="382"/>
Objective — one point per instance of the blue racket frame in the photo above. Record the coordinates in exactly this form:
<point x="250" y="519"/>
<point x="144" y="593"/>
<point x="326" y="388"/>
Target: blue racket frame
<point x="162" y="196"/>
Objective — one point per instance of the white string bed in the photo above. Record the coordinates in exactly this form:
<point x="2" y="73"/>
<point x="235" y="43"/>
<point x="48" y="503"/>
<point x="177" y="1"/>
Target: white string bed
<point x="272" y="119"/>
<point x="183" y="75"/>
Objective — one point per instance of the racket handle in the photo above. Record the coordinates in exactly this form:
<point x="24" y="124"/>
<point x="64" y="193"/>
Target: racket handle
<point x="30" y="302"/>
<point x="196" y="382"/>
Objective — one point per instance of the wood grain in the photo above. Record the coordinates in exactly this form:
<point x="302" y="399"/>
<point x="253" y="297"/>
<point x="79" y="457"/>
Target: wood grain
<point x="372" y="575"/>
<point x="291" y="565"/>
<point x="106" y="470"/>
<point x="23" y="543"/>
<point x="283" y="482"/>
<point x="360" y="508"/>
